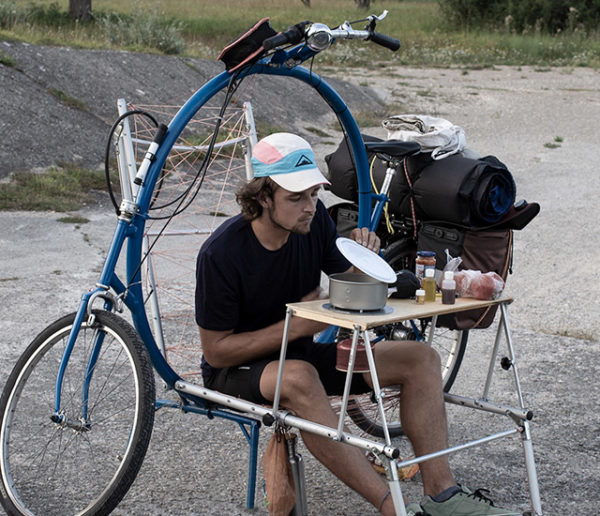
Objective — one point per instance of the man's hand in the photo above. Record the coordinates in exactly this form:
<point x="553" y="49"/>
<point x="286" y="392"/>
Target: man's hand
<point x="366" y="238"/>
<point x="313" y="295"/>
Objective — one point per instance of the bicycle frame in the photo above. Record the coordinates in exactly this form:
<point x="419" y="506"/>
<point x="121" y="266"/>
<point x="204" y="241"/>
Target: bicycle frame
<point x="134" y="210"/>
<point x="130" y="230"/>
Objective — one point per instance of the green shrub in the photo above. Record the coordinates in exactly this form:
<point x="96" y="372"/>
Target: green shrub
<point x="522" y="16"/>
<point x="46" y="15"/>
<point x="9" y="15"/>
<point x="143" y="30"/>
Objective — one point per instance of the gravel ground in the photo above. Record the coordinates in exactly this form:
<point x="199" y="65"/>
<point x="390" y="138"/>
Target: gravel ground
<point x="198" y="467"/>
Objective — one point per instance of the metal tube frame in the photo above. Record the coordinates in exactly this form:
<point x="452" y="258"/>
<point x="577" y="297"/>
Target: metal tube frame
<point x="519" y="415"/>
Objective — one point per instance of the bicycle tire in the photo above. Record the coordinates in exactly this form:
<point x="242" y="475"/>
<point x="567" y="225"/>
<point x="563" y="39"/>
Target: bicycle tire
<point x="85" y="467"/>
<point x="450" y="345"/>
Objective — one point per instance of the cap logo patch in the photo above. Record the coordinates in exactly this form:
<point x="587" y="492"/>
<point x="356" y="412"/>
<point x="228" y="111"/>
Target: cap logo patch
<point x="303" y="160"/>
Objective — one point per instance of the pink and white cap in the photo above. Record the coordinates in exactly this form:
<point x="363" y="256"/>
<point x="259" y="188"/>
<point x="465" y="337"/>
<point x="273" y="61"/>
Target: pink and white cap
<point x="288" y="160"/>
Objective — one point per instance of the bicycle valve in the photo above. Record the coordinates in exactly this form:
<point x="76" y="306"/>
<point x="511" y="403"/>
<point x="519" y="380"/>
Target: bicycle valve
<point x="150" y="154"/>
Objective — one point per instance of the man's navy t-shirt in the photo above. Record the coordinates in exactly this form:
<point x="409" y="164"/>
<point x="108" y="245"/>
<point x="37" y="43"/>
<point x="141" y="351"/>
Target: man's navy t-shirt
<point x="242" y="286"/>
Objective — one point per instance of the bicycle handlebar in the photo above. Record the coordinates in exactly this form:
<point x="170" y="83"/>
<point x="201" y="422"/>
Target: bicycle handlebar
<point x="385" y="41"/>
<point x="319" y="36"/>
<point x="293" y="35"/>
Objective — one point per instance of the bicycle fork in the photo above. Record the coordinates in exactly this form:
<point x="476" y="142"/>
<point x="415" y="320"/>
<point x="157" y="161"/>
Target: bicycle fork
<point x="84" y="313"/>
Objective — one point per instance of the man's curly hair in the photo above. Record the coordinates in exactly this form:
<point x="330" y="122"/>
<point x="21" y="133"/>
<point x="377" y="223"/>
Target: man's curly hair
<point x="249" y="196"/>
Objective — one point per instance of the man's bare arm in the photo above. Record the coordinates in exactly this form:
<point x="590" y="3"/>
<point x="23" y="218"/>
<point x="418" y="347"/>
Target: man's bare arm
<point x="226" y="349"/>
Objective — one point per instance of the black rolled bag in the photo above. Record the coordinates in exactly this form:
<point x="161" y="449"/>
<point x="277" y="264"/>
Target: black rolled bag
<point x="457" y="189"/>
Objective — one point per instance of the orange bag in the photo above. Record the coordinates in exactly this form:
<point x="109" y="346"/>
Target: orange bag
<point x="279" y="484"/>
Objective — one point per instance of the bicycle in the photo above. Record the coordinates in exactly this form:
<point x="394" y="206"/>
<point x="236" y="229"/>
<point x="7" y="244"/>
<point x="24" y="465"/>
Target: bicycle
<point x="65" y="448"/>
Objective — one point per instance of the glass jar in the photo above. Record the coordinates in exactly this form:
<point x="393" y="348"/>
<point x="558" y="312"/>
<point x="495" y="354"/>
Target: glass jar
<point x="425" y="260"/>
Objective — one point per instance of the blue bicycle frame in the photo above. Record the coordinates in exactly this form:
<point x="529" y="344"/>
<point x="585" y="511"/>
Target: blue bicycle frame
<point x="131" y="228"/>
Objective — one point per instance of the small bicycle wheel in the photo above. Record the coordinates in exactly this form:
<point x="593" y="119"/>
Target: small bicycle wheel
<point x="363" y="409"/>
<point x="83" y="459"/>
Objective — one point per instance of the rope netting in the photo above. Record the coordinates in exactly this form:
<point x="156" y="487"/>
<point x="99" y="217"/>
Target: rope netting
<point x="194" y="194"/>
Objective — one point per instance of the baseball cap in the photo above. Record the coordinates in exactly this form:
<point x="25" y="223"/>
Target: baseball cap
<point x="288" y="160"/>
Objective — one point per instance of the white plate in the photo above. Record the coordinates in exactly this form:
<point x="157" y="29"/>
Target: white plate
<point x="366" y="260"/>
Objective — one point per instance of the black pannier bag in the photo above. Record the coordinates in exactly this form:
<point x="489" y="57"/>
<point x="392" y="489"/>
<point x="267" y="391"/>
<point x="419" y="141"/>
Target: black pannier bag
<point x="457" y="190"/>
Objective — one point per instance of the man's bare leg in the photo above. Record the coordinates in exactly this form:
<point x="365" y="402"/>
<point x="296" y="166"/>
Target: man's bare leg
<point x="303" y="393"/>
<point x="417" y="368"/>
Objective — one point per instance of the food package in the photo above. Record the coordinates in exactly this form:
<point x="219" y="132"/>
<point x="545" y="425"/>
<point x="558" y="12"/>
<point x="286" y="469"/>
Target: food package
<point x="475" y="284"/>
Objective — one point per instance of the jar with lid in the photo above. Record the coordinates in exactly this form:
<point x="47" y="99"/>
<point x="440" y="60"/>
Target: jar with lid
<point x="425" y="260"/>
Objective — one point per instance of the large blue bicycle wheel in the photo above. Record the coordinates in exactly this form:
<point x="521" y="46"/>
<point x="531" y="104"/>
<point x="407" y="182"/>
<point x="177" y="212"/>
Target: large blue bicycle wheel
<point x="83" y="459"/>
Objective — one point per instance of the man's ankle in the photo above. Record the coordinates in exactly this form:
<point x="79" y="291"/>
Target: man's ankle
<point x="446" y="494"/>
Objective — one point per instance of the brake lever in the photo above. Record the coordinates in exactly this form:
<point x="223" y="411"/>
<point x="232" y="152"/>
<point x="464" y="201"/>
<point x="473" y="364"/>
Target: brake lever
<point x="372" y="18"/>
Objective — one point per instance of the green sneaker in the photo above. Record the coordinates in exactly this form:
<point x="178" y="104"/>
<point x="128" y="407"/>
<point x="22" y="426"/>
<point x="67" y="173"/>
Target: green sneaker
<point x="465" y="503"/>
<point x="414" y="509"/>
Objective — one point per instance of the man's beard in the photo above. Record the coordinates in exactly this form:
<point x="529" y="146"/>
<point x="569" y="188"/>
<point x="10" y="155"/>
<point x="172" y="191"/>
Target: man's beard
<point x="300" y="228"/>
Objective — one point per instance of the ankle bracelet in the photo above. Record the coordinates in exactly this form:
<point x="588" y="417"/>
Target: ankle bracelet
<point x="385" y="496"/>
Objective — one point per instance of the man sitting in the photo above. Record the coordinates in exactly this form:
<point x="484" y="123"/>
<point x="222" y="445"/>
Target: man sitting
<point x="272" y="254"/>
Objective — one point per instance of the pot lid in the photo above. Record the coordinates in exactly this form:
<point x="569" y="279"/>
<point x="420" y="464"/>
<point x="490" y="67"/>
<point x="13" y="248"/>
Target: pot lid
<point x="366" y="260"/>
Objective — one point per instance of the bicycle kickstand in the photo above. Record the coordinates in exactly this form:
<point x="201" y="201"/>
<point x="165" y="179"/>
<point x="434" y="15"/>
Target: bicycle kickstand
<point x="297" y="465"/>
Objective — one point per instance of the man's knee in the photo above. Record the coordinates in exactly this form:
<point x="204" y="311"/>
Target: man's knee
<point x="406" y="361"/>
<point x="430" y="357"/>
<point x="301" y="382"/>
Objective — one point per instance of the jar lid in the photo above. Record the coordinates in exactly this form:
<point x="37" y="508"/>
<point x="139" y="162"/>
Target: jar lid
<point x="429" y="272"/>
<point x="448" y="274"/>
<point x="426" y="253"/>
<point x="420" y="292"/>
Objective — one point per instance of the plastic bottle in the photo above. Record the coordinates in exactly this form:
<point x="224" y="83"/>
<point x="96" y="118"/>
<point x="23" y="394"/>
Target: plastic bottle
<point x="420" y="296"/>
<point x="448" y="288"/>
<point x="425" y="260"/>
<point x="429" y="285"/>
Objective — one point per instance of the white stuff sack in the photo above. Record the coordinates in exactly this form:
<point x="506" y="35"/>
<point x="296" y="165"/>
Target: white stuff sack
<point x="436" y="135"/>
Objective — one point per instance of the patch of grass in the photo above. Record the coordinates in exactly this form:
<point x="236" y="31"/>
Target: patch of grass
<point x="570" y="333"/>
<point x="551" y="145"/>
<point x="57" y="189"/>
<point x="7" y="60"/>
<point x="265" y="128"/>
<point x="318" y="132"/>
<point x="73" y="219"/>
<point x="426" y="93"/>
<point x="203" y="28"/>
<point x="67" y="99"/>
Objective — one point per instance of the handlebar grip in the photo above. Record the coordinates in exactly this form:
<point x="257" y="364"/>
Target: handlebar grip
<point x="293" y="35"/>
<point x="385" y="41"/>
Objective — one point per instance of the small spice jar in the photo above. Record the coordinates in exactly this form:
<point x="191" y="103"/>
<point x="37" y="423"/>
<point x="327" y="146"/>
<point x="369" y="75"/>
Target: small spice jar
<point x="425" y="260"/>
<point x="420" y="296"/>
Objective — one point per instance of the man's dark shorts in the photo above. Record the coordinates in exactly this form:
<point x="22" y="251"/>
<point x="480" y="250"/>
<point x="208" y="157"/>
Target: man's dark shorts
<point x="244" y="381"/>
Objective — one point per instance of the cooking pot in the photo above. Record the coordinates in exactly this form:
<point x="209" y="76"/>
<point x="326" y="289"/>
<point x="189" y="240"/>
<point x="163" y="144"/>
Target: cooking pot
<point x="355" y="291"/>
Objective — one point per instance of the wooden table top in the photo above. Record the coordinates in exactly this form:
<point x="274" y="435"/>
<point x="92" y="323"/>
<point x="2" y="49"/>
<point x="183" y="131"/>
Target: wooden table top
<point x="399" y="310"/>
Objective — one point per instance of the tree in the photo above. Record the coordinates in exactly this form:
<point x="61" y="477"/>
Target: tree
<point x="80" y="9"/>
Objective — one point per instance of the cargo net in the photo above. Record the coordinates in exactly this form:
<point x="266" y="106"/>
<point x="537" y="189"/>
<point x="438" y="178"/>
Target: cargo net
<point x="193" y="196"/>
